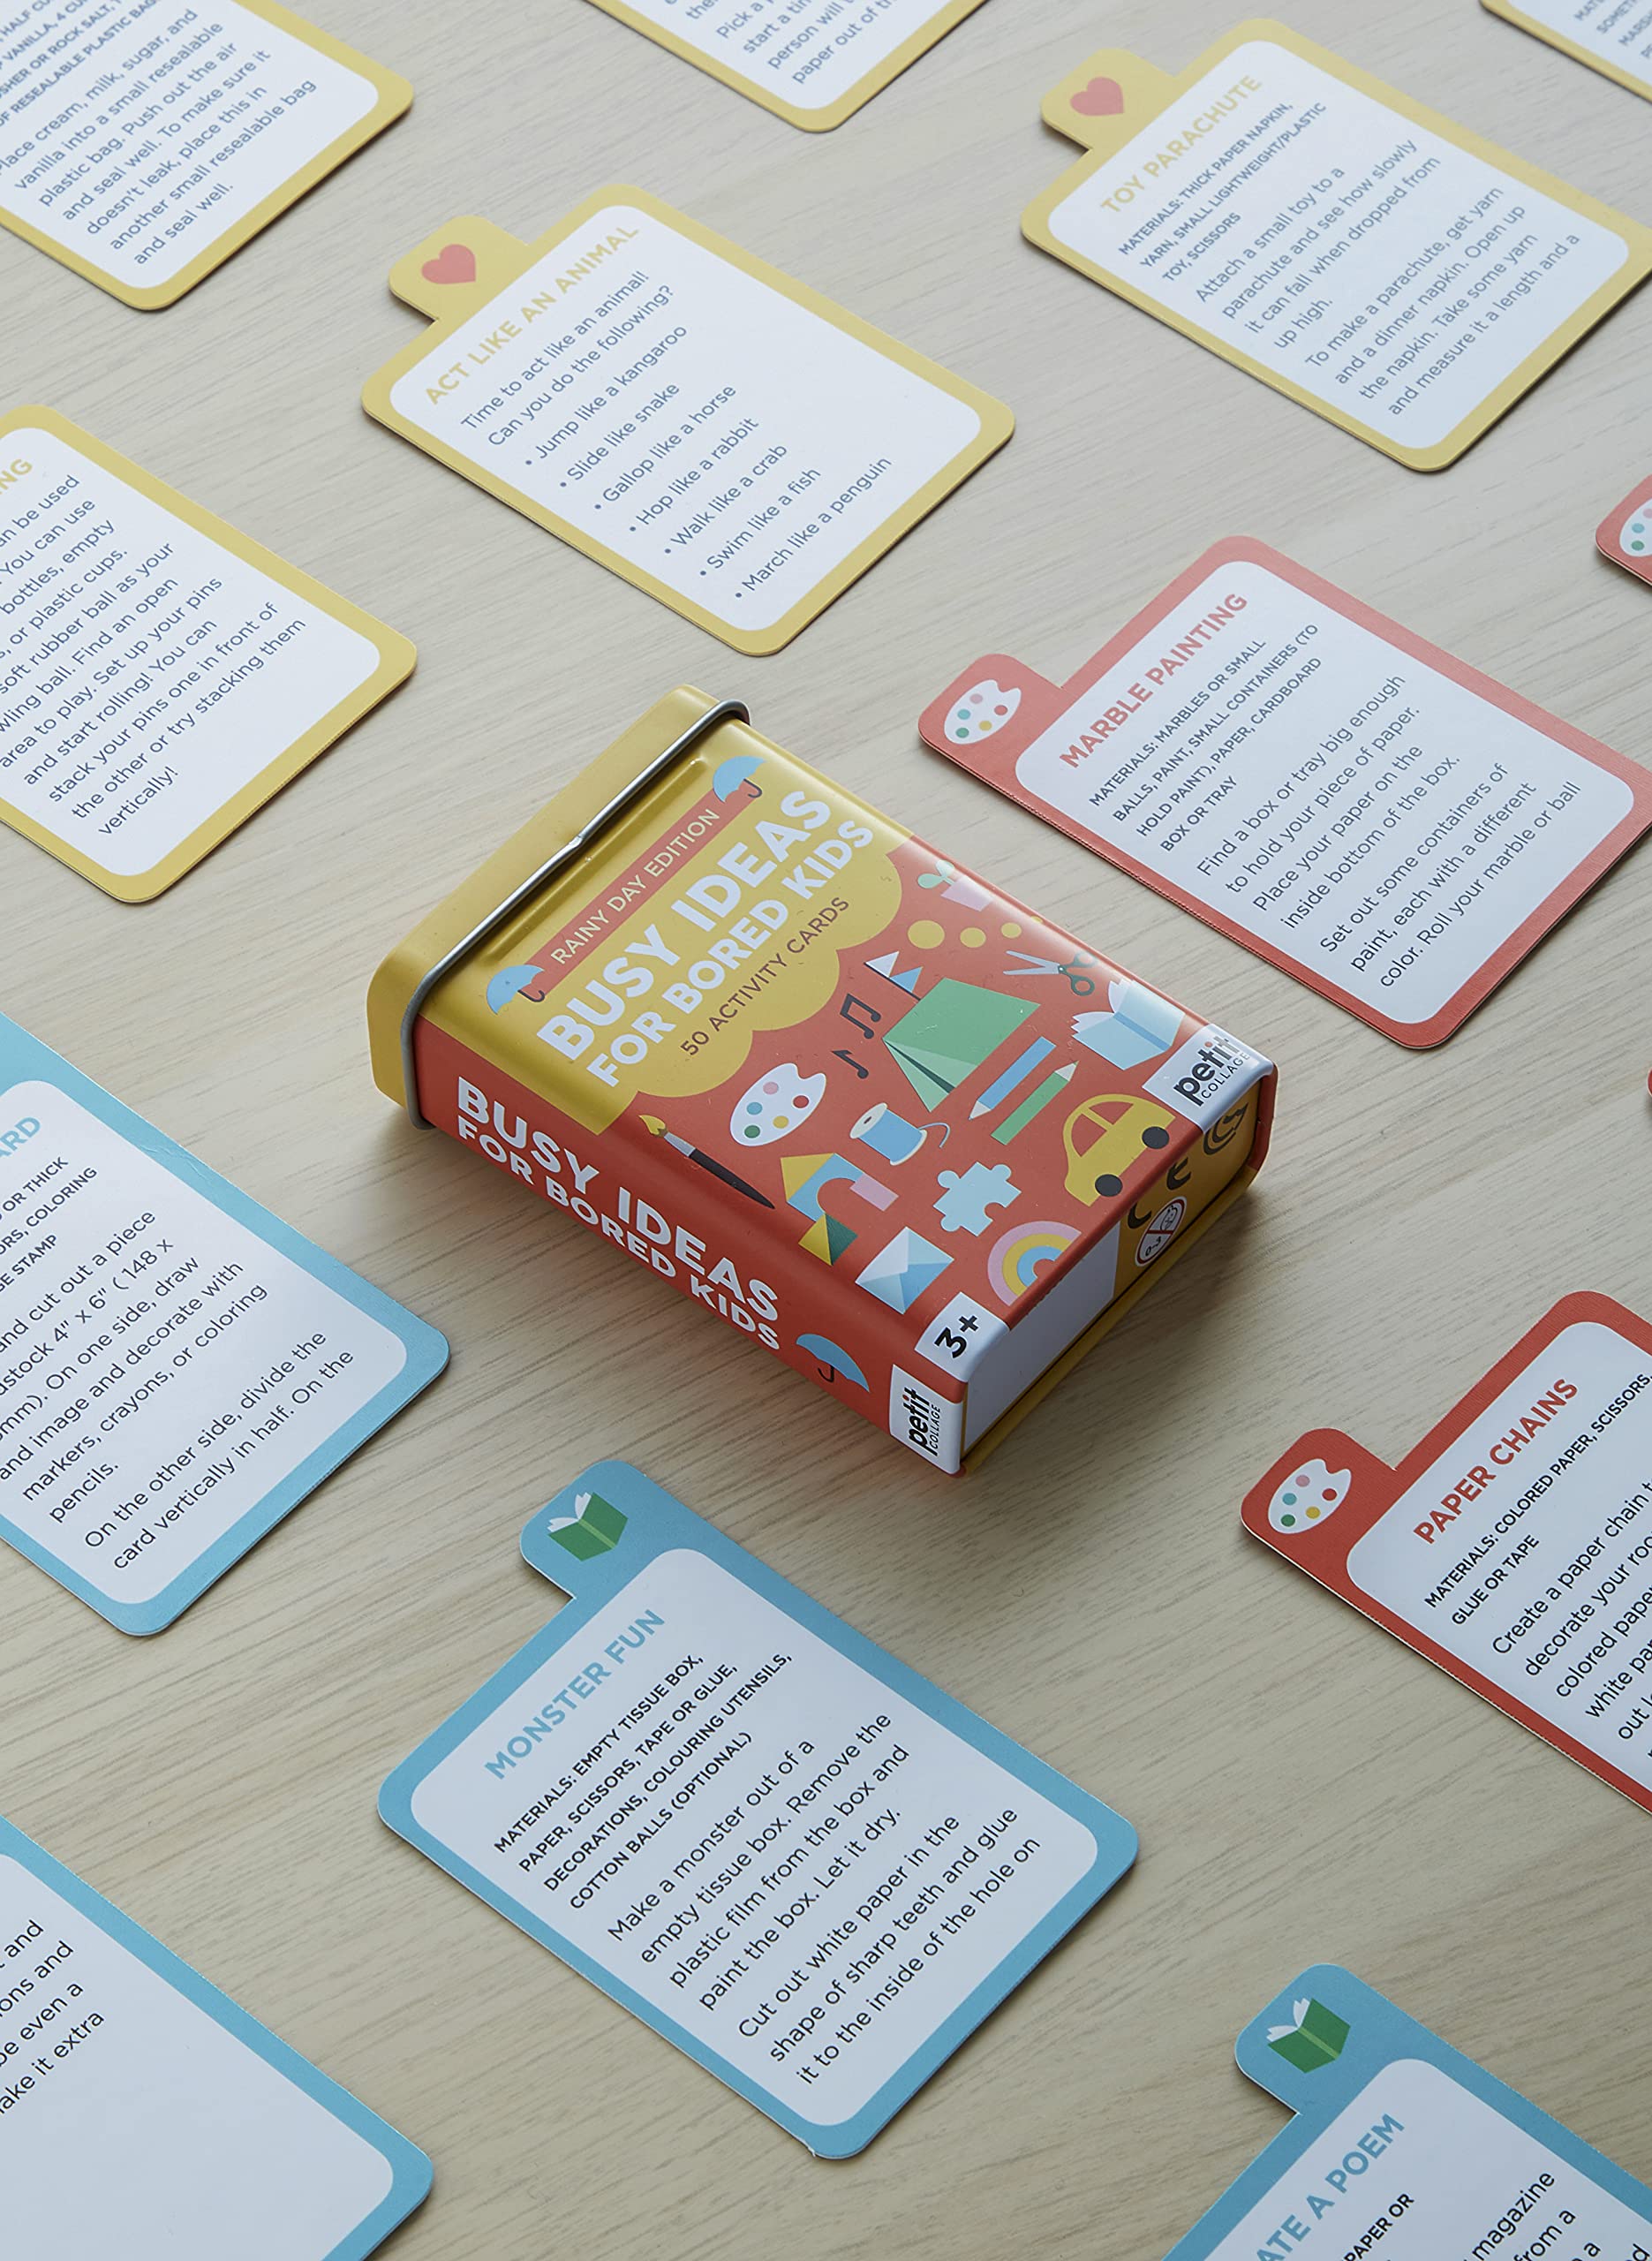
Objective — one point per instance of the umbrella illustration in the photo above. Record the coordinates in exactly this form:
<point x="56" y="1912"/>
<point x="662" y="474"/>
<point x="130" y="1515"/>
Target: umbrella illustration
<point x="738" y="770"/>
<point x="838" y="1362"/>
<point x="512" y="981"/>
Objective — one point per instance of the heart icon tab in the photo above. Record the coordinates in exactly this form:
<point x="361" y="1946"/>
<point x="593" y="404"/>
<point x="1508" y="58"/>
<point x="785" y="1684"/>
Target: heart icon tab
<point x="454" y="263"/>
<point x="1101" y="98"/>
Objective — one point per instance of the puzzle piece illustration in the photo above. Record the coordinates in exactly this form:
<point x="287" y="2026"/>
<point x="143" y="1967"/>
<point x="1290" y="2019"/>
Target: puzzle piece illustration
<point x="971" y="1195"/>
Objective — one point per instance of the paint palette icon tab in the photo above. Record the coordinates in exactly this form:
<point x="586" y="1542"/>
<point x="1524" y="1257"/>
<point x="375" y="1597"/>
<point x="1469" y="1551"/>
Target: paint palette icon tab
<point x="1624" y="536"/>
<point x="1308" y="1495"/>
<point x="985" y="708"/>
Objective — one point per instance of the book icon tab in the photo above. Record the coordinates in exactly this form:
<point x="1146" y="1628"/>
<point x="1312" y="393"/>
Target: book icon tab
<point x="1407" y="2142"/>
<point x="1313" y="2039"/>
<point x="593" y="1529"/>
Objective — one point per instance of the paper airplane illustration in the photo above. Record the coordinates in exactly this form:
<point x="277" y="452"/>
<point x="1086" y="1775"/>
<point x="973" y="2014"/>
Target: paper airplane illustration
<point x="941" y="1042"/>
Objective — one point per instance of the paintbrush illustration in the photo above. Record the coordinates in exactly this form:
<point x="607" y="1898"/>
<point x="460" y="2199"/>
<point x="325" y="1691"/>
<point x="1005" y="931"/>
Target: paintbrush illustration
<point x="653" y="1126"/>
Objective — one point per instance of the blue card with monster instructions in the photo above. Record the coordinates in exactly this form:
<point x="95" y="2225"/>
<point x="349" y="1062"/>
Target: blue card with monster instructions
<point x="780" y="1847"/>
<point x="1400" y="2146"/>
<point x="178" y="1369"/>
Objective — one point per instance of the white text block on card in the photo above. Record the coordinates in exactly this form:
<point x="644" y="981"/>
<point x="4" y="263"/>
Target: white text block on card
<point x="136" y="138"/>
<point x="158" y="679"/>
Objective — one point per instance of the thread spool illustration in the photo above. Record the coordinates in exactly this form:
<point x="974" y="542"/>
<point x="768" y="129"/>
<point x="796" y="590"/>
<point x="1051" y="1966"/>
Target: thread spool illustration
<point x="892" y="1136"/>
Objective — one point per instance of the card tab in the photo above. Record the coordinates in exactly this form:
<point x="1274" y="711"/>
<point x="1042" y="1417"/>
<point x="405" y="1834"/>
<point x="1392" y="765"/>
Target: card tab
<point x="142" y="145"/>
<point x="1613" y="36"/>
<point x="1386" y="823"/>
<point x="1400" y="2146"/>
<point x="1512" y="1547"/>
<point x="813" y="65"/>
<point x="160" y="676"/>
<point x="1402" y="276"/>
<point x="143" y="2114"/>
<point x="178" y="1369"/>
<point x="707" y="428"/>
<point x="775" y="1844"/>
<point x="1625" y="534"/>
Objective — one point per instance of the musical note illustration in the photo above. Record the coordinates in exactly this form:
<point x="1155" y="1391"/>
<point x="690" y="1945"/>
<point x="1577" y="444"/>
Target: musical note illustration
<point x="850" y="1006"/>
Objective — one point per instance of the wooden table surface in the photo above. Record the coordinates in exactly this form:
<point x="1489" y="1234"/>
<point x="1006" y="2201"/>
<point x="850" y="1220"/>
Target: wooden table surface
<point x="1305" y="1788"/>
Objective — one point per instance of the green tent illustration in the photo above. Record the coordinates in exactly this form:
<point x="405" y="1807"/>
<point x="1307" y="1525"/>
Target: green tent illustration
<point x="950" y="1034"/>
<point x="594" y="1530"/>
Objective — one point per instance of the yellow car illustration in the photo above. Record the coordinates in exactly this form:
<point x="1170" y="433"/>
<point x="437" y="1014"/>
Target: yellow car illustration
<point x="1105" y="1136"/>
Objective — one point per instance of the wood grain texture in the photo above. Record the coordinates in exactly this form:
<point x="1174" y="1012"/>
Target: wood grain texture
<point x="1304" y="1786"/>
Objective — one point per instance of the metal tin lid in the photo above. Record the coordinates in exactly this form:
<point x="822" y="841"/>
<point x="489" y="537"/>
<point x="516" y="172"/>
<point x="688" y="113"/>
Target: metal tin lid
<point x="572" y="823"/>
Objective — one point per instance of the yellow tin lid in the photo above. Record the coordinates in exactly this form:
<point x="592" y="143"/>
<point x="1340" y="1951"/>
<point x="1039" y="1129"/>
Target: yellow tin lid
<point x="553" y="841"/>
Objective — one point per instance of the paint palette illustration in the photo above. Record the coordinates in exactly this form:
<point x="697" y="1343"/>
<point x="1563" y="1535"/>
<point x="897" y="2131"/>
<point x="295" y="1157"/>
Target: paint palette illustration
<point x="774" y="1104"/>
<point x="1308" y="1496"/>
<point x="985" y="708"/>
<point x="1636" y="538"/>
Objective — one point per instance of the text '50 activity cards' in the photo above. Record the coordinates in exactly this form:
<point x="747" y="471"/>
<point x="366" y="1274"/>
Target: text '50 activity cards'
<point x="1372" y="260"/>
<point x="1383" y="821"/>
<point x="178" y="1369"/>
<point x="713" y="432"/>
<point x="775" y="1844"/>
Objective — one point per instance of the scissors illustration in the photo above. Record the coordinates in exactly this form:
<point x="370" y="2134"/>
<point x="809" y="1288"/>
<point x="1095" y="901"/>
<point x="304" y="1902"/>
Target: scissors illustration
<point x="1078" y="982"/>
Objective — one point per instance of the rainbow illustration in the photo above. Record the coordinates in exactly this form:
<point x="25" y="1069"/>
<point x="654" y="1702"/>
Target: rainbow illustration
<point x="1018" y="1255"/>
